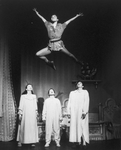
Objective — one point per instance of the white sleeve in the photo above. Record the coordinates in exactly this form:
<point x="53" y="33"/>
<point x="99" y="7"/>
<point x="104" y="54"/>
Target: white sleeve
<point x="44" y="111"/>
<point x="86" y="102"/>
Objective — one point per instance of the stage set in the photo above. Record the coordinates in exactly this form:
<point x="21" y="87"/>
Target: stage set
<point x="86" y="48"/>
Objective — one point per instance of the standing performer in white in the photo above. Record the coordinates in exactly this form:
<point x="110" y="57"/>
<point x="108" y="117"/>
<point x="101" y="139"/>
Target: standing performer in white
<point x="78" y="107"/>
<point x="52" y="116"/>
<point x="27" y="129"/>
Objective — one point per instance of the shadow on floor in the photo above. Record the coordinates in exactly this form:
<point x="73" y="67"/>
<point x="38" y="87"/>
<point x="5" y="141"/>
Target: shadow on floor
<point x="114" y="144"/>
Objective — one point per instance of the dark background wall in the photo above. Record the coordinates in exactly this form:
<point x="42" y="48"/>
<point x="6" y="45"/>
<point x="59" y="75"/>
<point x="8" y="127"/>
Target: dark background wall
<point x="94" y="38"/>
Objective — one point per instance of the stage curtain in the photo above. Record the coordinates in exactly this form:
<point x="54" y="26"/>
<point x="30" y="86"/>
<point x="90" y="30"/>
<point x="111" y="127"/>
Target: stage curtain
<point x="1" y="77"/>
<point x="7" y="102"/>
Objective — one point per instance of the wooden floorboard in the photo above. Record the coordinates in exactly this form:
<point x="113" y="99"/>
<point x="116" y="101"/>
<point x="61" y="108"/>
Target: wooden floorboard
<point x="114" y="144"/>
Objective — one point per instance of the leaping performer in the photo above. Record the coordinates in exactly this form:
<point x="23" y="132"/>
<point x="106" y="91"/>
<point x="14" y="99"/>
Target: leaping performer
<point x="55" y="31"/>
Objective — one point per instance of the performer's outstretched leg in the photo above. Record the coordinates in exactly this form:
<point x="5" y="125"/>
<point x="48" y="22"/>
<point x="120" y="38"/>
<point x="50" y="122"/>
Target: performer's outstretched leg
<point x="41" y="54"/>
<point x="71" y="55"/>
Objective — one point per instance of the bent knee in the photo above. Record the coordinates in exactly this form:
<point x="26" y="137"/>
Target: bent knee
<point x="37" y="53"/>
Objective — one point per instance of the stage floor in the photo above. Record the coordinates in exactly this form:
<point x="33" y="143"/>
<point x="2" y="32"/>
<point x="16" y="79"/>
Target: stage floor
<point x="114" y="144"/>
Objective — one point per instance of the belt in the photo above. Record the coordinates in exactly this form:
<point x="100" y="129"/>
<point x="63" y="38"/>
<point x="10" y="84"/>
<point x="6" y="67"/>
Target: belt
<point x="55" y="41"/>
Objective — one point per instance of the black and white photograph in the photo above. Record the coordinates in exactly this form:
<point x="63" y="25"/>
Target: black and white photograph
<point x="60" y="74"/>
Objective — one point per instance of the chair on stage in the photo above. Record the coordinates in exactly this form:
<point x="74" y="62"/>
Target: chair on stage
<point x="112" y="114"/>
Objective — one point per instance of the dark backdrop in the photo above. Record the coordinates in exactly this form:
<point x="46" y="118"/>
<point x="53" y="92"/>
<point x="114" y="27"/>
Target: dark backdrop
<point x="94" y="38"/>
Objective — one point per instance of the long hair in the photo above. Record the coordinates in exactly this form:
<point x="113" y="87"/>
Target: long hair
<point x="25" y="91"/>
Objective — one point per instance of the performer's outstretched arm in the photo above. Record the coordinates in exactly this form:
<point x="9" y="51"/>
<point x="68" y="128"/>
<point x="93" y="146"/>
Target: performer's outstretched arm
<point x="68" y="21"/>
<point x="43" y="19"/>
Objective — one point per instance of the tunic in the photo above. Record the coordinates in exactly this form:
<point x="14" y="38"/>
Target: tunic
<point x="55" y="33"/>
<point x="78" y="103"/>
<point x="28" y="130"/>
<point x="52" y="114"/>
<point x="55" y="42"/>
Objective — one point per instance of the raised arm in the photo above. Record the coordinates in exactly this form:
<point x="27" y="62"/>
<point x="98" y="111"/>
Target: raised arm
<point x="43" y="19"/>
<point x="68" y="21"/>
